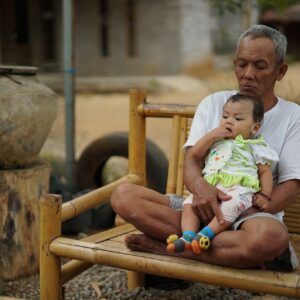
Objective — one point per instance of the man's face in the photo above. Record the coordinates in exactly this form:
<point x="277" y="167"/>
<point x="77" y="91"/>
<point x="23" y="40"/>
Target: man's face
<point x="256" y="69"/>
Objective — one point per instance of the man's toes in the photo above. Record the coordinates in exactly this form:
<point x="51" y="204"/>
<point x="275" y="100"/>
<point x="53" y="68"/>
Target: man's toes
<point x="132" y="241"/>
<point x="141" y="242"/>
<point x="129" y="238"/>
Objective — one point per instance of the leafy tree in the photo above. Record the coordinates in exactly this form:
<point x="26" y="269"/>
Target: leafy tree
<point x="234" y="5"/>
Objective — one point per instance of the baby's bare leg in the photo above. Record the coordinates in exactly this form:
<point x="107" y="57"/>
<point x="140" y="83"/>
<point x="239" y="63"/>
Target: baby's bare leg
<point x="190" y="224"/>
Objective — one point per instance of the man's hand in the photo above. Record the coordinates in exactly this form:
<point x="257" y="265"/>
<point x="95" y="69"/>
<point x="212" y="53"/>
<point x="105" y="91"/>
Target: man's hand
<point x="206" y="201"/>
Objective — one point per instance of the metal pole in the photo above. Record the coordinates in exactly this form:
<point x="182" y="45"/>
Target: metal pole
<point x="69" y="76"/>
<point x="1" y="33"/>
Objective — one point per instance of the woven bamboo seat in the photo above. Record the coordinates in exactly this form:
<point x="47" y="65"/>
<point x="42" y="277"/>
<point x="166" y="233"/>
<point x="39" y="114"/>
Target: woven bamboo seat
<point x="108" y="248"/>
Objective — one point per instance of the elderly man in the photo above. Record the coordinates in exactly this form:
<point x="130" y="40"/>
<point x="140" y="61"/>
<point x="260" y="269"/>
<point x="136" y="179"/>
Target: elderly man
<point x="257" y="239"/>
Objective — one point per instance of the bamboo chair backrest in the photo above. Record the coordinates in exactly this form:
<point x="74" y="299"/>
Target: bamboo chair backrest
<point x="180" y="130"/>
<point x="291" y="217"/>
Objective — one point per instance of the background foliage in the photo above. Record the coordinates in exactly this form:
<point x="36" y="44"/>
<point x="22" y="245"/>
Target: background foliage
<point x="234" y="5"/>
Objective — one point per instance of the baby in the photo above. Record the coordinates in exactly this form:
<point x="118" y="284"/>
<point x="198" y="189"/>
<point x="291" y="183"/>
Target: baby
<point x="238" y="164"/>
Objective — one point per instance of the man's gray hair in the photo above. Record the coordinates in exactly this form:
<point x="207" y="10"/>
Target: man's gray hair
<point x="262" y="31"/>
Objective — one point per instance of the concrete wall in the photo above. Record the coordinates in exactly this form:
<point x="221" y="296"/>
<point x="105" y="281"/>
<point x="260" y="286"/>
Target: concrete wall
<point x="170" y="35"/>
<point x="195" y="38"/>
<point x="157" y="41"/>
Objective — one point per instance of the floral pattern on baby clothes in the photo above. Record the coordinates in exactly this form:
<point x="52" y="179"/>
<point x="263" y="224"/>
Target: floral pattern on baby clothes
<point x="232" y="162"/>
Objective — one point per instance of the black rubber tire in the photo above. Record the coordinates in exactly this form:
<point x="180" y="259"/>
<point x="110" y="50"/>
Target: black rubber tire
<point x="88" y="176"/>
<point x="91" y="162"/>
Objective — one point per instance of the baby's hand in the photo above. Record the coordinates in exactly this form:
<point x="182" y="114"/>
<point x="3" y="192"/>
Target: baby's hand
<point x="220" y="133"/>
<point x="261" y="202"/>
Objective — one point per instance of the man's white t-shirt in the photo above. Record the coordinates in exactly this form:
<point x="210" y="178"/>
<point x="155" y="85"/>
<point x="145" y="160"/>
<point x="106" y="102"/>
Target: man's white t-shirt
<point x="280" y="128"/>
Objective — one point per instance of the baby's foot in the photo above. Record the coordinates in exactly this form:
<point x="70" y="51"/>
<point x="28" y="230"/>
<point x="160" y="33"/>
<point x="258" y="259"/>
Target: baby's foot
<point x="202" y="240"/>
<point x="176" y="245"/>
<point x="200" y="243"/>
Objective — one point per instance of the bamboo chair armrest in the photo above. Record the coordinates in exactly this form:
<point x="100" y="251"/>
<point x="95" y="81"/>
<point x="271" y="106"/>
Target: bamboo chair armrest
<point x="166" y="110"/>
<point x="85" y="202"/>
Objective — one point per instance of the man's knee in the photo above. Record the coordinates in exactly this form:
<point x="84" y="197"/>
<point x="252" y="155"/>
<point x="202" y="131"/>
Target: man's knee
<point x="276" y="240"/>
<point x="120" y="198"/>
<point x="267" y="243"/>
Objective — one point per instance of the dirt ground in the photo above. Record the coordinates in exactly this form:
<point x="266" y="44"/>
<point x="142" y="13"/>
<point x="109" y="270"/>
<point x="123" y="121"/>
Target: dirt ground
<point x="98" y="114"/>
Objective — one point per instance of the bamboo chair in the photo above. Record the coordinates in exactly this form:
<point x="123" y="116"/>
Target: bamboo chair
<point x="107" y="248"/>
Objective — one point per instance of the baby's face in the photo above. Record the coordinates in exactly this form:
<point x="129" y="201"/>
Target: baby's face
<point x="237" y="118"/>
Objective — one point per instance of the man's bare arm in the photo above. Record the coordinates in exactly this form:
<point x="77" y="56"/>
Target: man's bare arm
<point x="283" y="195"/>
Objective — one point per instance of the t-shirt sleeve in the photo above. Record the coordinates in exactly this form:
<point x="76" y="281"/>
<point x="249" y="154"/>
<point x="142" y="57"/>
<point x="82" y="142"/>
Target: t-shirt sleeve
<point x="199" y="124"/>
<point x="289" y="161"/>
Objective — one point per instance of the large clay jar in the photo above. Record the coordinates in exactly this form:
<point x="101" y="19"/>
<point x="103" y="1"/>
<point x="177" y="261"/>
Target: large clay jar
<point x="27" y="111"/>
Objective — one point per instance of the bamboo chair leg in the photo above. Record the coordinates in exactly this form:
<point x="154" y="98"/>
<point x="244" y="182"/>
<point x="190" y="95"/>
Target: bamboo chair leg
<point x="50" y="228"/>
<point x="135" y="280"/>
<point x="137" y="158"/>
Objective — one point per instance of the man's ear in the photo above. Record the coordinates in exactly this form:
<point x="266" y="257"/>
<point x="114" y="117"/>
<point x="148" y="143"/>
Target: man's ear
<point x="281" y="71"/>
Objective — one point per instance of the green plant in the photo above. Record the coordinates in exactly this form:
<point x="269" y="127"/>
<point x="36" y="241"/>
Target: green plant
<point x="235" y="5"/>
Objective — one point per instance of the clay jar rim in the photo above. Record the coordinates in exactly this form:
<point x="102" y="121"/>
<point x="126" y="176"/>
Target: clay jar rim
<point x="18" y="70"/>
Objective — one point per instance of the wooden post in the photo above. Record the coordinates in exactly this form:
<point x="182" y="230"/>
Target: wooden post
<point x="137" y="136"/>
<point x="137" y="158"/>
<point x="173" y="162"/>
<point x="182" y="139"/>
<point x="50" y="228"/>
<point x="20" y="190"/>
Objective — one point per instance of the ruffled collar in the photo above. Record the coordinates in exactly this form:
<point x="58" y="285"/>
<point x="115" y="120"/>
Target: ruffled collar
<point x="240" y="140"/>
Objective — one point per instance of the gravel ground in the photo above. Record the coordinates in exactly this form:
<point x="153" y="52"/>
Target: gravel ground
<point x="107" y="283"/>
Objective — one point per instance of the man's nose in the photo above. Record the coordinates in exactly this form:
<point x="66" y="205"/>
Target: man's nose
<point x="249" y="72"/>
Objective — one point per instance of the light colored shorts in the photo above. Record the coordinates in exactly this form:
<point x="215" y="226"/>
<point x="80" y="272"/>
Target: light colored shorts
<point x="286" y="262"/>
<point x="241" y="200"/>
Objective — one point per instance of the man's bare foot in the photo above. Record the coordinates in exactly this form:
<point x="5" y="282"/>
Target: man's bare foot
<point x="142" y="242"/>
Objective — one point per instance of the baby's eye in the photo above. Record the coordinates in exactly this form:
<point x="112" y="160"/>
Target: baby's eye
<point x="239" y="119"/>
<point x="224" y="117"/>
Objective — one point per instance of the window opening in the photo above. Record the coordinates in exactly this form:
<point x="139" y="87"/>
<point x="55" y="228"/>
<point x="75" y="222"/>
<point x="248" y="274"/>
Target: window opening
<point x="48" y="29"/>
<point x="104" y="27"/>
<point x="131" y="28"/>
<point x="22" y="35"/>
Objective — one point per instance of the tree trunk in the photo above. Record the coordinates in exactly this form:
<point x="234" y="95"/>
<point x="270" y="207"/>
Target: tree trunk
<point x="20" y="190"/>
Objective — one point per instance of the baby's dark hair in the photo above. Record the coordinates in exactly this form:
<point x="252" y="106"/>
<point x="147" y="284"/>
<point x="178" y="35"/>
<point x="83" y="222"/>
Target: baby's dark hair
<point x="258" y="108"/>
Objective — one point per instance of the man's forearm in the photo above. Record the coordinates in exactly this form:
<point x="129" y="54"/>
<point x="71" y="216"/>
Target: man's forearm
<point x="283" y="195"/>
<point x="192" y="170"/>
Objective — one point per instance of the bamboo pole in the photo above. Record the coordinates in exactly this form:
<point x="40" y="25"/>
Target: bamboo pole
<point x="137" y="135"/>
<point x="83" y="203"/>
<point x="137" y="157"/>
<point x="182" y="139"/>
<point x="173" y="162"/>
<point x="286" y="284"/>
<point x="74" y="267"/>
<point x="166" y="110"/>
<point x="50" y="228"/>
